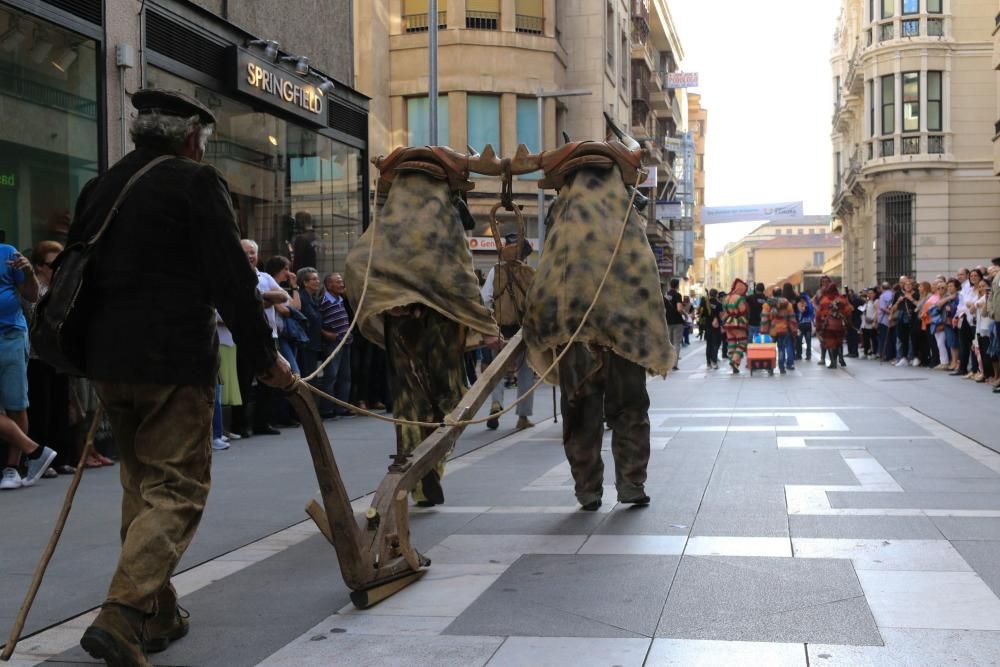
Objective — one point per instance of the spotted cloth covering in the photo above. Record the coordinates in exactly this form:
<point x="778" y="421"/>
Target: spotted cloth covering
<point x="735" y="315"/>
<point x="584" y="223"/>
<point x="833" y="318"/>
<point x="421" y="256"/>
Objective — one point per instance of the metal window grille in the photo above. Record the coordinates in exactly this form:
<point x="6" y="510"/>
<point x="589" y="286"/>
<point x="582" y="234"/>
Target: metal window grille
<point x="871" y="150"/>
<point x="482" y="20"/>
<point x="935" y="144"/>
<point x="886" y="31"/>
<point x="533" y="25"/>
<point x="868" y="36"/>
<point x="420" y="22"/>
<point x="935" y="27"/>
<point x="911" y="145"/>
<point x="894" y="235"/>
<point x="887" y="148"/>
<point x="911" y="28"/>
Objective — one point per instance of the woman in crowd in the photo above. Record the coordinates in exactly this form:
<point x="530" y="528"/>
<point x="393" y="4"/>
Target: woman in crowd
<point x="904" y="310"/>
<point x="924" y="338"/>
<point x="984" y="326"/>
<point x="227" y="392"/>
<point x="937" y="325"/>
<point x="290" y="335"/>
<point x="780" y="321"/>
<point x="869" y="324"/>
<point x="807" y="319"/>
<point x="48" y="390"/>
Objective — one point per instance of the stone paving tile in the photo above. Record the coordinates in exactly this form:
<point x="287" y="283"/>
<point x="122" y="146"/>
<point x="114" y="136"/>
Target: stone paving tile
<point x="705" y="653"/>
<point x="659" y="518"/>
<point x="497" y="549"/>
<point x="984" y="557"/>
<point x="864" y="527"/>
<point x="542" y="596"/>
<point x="884" y="554"/>
<point x="935" y="600"/>
<point x="733" y="523"/>
<point x="968" y="528"/>
<point x="371" y="651"/>
<point x="925" y="501"/>
<point x="768" y="600"/>
<point x="913" y="483"/>
<point x="913" y="648"/>
<point x="577" y="523"/>
<point x="576" y="651"/>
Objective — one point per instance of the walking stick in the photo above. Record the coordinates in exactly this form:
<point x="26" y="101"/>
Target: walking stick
<point x="50" y="548"/>
<point x="555" y="415"/>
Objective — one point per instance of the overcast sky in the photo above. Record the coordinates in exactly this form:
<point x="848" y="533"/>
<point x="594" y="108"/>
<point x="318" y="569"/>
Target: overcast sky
<point x="765" y="79"/>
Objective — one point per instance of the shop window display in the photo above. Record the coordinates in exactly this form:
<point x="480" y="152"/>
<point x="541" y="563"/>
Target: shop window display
<point x="283" y="176"/>
<point x="49" y="136"/>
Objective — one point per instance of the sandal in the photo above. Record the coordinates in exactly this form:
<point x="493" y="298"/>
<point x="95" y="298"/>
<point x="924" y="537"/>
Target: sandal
<point x="92" y="462"/>
<point x="105" y="461"/>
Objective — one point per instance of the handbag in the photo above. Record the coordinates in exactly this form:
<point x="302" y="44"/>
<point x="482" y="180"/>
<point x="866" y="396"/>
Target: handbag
<point x="294" y="331"/>
<point x="58" y="329"/>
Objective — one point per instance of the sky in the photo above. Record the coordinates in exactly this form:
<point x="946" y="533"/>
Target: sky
<point x="765" y="78"/>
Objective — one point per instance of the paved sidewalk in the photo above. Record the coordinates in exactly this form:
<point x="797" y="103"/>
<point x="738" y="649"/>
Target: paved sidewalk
<point x="819" y="518"/>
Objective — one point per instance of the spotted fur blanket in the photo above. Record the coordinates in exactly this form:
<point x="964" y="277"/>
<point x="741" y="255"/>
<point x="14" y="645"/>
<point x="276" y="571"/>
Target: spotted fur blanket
<point x="583" y="227"/>
<point x="421" y="256"/>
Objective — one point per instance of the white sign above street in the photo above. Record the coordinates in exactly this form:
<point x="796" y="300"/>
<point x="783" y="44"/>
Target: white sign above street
<point x="716" y="214"/>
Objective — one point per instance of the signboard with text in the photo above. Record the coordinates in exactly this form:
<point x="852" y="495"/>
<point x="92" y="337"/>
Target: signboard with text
<point x="650" y="181"/>
<point x="713" y="215"/>
<point x="667" y="210"/>
<point x="673" y="144"/>
<point x="279" y="87"/>
<point x="682" y="79"/>
<point x="487" y="243"/>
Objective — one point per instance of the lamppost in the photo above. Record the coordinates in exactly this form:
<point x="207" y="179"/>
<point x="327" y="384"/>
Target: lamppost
<point x="541" y="95"/>
<point x="432" y="92"/>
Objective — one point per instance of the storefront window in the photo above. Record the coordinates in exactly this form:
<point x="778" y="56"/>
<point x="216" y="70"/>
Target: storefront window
<point x="48" y="135"/>
<point x="283" y="177"/>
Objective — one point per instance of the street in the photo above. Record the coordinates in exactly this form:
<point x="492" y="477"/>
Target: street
<point x="823" y="517"/>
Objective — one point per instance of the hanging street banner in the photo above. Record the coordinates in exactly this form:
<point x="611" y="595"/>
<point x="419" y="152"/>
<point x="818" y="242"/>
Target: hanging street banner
<point x="667" y="210"/>
<point x="682" y="79"/>
<point x="673" y="144"/>
<point x="712" y="215"/>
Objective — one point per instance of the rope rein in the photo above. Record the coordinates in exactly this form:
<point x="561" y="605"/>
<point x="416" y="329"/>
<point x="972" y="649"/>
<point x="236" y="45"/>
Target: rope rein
<point x="495" y="415"/>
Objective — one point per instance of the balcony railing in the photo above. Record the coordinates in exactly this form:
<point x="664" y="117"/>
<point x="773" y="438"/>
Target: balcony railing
<point x="935" y="27"/>
<point x="911" y="146"/>
<point x="996" y="128"/>
<point x="532" y="25"/>
<point x="421" y="23"/>
<point x="910" y="28"/>
<point x="886" y="31"/>
<point x="482" y="20"/>
<point x="887" y="148"/>
<point x="935" y="144"/>
<point x="13" y="85"/>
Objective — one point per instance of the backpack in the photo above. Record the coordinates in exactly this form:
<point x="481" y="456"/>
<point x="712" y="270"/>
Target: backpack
<point x="511" y="281"/>
<point x="58" y="330"/>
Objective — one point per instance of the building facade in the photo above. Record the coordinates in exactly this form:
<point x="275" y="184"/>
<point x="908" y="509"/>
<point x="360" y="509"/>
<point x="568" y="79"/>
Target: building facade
<point x="809" y="234"/>
<point x="495" y="58"/>
<point x="294" y="153"/>
<point x="914" y="182"/>
<point x="698" y="127"/>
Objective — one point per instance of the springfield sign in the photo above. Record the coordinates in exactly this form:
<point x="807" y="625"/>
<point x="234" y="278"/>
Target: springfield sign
<point x="750" y="213"/>
<point x="278" y="87"/>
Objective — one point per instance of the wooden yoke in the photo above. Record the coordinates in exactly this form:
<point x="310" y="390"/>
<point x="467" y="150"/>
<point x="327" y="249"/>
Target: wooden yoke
<point x="374" y="551"/>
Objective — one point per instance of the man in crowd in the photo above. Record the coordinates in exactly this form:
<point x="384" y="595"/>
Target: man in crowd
<point x="158" y="388"/>
<point x="17" y="280"/>
<point x="673" y="304"/>
<point x="884" y="318"/>
<point x="336" y="379"/>
<point x="965" y="324"/>
<point x="755" y="305"/>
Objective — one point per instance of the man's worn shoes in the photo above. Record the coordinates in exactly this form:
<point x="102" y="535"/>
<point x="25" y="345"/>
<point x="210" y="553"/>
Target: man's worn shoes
<point x="493" y="423"/>
<point x="166" y="627"/>
<point x="115" y="637"/>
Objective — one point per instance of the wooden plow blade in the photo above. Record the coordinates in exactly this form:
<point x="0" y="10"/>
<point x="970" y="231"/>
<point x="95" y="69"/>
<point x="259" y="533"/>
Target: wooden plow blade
<point x="374" y="550"/>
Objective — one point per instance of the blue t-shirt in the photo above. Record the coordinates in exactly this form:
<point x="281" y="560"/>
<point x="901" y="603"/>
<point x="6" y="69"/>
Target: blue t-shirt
<point x="11" y="315"/>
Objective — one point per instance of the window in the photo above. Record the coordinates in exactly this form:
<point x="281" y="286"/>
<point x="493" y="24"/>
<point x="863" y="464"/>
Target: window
<point x="934" y="98"/>
<point x="609" y="34"/>
<point x="819" y="258"/>
<point x="625" y="65"/>
<point x="871" y="108"/>
<point x="935" y="144"/>
<point x="933" y="6"/>
<point x="911" y="6"/>
<point x="910" y="28"/>
<point x="894" y="235"/>
<point x="888" y="8"/>
<point x="887" y="148"/>
<point x="482" y="14"/>
<point x="777" y="232"/>
<point x="911" y="101"/>
<point x="935" y="27"/>
<point x="418" y="121"/>
<point x="871" y="11"/>
<point x="886" y="31"/>
<point x="415" y="16"/>
<point x="888" y="104"/>
<point x="910" y="145"/>
<point x="529" y="16"/>
<point x="527" y="129"/>
<point x="484" y="121"/>
<point x="49" y="92"/>
<point x="801" y="231"/>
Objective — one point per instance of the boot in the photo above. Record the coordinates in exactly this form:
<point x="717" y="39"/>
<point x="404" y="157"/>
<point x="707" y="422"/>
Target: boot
<point x="493" y="423"/>
<point x="168" y="625"/>
<point x="115" y="636"/>
<point x="523" y="423"/>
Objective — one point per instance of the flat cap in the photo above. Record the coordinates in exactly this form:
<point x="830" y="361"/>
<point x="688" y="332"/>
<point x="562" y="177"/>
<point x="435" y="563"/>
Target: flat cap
<point x="171" y="103"/>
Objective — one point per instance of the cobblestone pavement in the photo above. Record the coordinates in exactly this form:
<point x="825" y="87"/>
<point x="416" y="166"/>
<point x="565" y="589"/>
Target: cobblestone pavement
<point x="847" y="517"/>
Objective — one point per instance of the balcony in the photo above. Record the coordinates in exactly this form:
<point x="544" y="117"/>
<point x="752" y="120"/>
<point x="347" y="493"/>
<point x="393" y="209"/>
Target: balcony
<point x="482" y="20"/>
<point x="854" y="84"/>
<point x="530" y="25"/>
<point x="421" y="22"/>
<point x="640" y="21"/>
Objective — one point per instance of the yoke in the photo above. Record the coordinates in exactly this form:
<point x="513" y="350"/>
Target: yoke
<point x="374" y="550"/>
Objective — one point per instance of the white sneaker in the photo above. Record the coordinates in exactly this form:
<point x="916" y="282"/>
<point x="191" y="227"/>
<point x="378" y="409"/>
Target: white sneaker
<point x="230" y="436"/>
<point x="11" y="479"/>
<point x="36" y="467"/>
<point x="901" y="363"/>
<point x="219" y="444"/>
<point x="915" y="363"/>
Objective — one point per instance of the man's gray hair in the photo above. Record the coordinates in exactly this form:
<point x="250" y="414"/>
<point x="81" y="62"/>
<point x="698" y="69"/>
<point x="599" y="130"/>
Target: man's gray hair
<point x="252" y="243"/>
<point x="168" y="132"/>
<point x="302" y="275"/>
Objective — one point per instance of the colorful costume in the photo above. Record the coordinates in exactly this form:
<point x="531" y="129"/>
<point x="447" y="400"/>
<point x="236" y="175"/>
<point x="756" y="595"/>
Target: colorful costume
<point x="780" y="321"/>
<point x="833" y="321"/>
<point x="603" y="375"/>
<point x="423" y="304"/>
<point x="736" y="314"/>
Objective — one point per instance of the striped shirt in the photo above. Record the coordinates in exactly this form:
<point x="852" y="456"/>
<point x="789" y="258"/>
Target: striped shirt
<point x="334" y="314"/>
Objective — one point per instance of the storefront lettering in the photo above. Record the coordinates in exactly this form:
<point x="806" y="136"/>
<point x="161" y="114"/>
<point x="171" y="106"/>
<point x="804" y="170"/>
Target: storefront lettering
<point x="8" y="180"/>
<point x="304" y="97"/>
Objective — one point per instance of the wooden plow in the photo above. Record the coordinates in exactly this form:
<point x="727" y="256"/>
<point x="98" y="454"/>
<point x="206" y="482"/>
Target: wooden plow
<point x="374" y="550"/>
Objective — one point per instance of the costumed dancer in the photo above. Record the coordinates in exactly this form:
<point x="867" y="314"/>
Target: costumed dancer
<point x="602" y="377"/>
<point x="736" y="314"/>
<point x="423" y="304"/>
<point x="832" y="322"/>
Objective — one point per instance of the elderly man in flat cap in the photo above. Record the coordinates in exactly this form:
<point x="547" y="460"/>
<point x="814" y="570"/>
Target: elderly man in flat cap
<point x="166" y="262"/>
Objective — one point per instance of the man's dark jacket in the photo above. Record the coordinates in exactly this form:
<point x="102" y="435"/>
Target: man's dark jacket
<point x="168" y="260"/>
